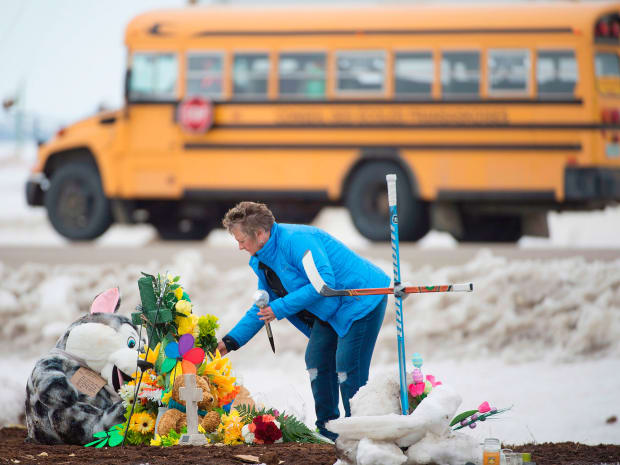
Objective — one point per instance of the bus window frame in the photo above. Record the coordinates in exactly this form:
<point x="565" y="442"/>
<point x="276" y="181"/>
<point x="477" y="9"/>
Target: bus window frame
<point x="253" y="98"/>
<point x="223" y="75"/>
<point x="411" y="96"/>
<point x="278" y="55"/>
<point x="174" y="96"/>
<point x="509" y="93"/>
<point x="557" y="95"/>
<point x="481" y="74"/>
<point x="337" y="93"/>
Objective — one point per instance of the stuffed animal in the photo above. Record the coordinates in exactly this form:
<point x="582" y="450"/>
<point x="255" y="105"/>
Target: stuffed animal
<point x="72" y="391"/>
<point x="175" y="418"/>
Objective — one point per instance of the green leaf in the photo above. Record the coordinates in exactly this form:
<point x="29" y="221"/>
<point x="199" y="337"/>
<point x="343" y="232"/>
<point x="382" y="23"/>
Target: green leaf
<point x="462" y="416"/>
<point x="176" y="279"/>
<point x="100" y="434"/>
<point x="94" y="442"/>
<point x="174" y="287"/>
<point x="101" y="444"/>
<point x="115" y="439"/>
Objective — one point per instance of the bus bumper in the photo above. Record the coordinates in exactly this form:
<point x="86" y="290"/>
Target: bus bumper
<point x="591" y="184"/>
<point x="35" y="187"/>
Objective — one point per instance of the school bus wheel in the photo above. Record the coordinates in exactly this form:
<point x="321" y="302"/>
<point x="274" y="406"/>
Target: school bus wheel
<point x="76" y="204"/>
<point x="366" y="199"/>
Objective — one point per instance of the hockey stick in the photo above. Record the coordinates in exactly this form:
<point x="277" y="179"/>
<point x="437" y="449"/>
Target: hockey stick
<point x="322" y="288"/>
<point x="402" y="359"/>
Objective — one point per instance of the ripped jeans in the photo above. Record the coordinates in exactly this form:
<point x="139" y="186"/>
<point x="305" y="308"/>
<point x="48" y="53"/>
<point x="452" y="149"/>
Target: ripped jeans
<point x="340" y="364"/>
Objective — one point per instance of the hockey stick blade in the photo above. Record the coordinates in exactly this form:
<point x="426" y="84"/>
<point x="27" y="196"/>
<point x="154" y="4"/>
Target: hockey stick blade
<point x="322" y="288"/>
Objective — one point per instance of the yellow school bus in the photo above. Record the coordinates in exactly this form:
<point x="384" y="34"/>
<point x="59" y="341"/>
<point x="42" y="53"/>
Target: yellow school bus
<point x="489" y="115"/>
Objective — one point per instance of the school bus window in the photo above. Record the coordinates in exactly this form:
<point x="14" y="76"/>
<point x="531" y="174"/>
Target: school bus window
<point x="153" y="76"/>
<point x="556" y="73"/>
<point x="413" y="74"/>
<point x="607" y="64"/>
<point x="360" y="72"/>
<point x="204" y="74"/>
<point x="509" y="72"/>
<point x="460" y="74"/>
<point x="250" y="73"/>
<point x="302" y="75"/>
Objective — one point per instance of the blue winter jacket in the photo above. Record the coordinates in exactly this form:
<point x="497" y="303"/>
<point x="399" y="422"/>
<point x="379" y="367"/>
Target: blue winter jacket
<point x="339" y="266"/>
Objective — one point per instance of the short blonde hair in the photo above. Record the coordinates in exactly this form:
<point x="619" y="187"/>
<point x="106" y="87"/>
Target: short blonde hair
<point x="250" y="217"/>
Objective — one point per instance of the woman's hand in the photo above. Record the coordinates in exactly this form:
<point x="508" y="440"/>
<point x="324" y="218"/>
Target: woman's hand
<point x="222" y="348"/>
<point x="266" y="314"/>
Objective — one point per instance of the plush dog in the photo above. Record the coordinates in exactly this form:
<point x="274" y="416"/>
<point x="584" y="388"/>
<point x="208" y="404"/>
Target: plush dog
<point x="72" y="391"/>
<point x="175" y="418"/>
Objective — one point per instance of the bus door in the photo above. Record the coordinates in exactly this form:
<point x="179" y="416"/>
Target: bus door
<point x="152" y="144"/>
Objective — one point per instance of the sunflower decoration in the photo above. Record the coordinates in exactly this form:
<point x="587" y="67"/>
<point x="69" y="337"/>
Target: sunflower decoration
<point x="142" y="423"/>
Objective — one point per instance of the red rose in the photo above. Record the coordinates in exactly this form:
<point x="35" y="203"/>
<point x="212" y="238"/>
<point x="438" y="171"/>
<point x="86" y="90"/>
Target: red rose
<point x="266" y="431"/>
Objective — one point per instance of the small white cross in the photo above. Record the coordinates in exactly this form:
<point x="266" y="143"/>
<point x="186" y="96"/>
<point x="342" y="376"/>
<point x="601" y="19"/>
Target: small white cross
<point x="191" y="395"/>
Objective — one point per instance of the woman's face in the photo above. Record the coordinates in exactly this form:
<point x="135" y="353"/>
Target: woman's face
<point x="247" y="241"/>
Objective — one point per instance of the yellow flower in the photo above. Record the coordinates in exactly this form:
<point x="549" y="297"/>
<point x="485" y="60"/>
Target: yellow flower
<point x="178" y="293"/>
<point x="231" y="426"/>
<point x="142" y="423"/>
<point x="165" y="398"/>
<point x="187" y="325"/>
<point x="184" y="307"/>
<point x="156" y="441"/>
<point x="153" y="354"/>
<point x="218" y="370"/>
<point x="201" y="429"/>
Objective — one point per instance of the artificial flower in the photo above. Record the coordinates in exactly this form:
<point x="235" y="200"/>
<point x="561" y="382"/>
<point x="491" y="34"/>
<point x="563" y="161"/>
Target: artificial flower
<point x="218" y="371"/>
<point x="152" y="354"/>
<point x="178" y="293"/>
<point x="431" y="378"/>
<point x="248" y="436"/>
<point x="184" y="307"/>
<point x="484" y="407"/>
<point x="142" y="422"/>
<point x="266" y="429"/>
<point x="231" y="426"/>
<point x="416" y="389"/>
<point x="156" y="441"/>
<point x="165" y="397"/>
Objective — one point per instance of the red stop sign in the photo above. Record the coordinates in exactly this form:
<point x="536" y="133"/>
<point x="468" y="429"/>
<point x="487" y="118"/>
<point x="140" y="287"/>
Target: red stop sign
<point x="195" y="114"/>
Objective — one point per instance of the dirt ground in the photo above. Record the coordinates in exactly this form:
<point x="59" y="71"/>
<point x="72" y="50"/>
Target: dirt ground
<point x="14" y="450"/>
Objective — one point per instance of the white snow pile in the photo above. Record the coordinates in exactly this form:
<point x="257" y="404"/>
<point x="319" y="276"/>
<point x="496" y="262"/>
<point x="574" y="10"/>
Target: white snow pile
<point x="377" y="434"/>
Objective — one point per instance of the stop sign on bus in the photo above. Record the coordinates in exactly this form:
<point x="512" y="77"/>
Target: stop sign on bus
<point x="195" y="114"/>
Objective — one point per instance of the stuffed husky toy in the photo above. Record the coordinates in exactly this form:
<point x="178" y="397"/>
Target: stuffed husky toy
<point x="72" y="391"/>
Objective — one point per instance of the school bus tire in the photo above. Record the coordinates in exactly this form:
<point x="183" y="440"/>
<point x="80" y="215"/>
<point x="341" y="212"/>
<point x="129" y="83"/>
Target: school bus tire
<point x="76" y="204"/>
<point x="366" y="200"/>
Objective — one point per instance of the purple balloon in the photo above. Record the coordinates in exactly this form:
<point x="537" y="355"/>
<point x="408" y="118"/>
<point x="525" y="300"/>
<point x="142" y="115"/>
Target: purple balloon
<point x="186" y="342"/>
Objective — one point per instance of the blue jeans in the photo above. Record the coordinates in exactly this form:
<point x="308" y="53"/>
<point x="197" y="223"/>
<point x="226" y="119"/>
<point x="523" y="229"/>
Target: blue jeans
<point x="340" y="364"/>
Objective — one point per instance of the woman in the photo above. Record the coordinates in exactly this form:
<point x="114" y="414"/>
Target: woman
<point x="342" y="330"/>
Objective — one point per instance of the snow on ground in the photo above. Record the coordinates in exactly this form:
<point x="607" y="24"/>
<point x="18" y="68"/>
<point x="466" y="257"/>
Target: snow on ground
<point x="542" y="336"/>
<point x="539" y="335"/>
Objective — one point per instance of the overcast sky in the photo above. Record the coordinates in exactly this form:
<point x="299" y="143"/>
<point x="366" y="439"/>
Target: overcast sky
<point x="67" y="57"/>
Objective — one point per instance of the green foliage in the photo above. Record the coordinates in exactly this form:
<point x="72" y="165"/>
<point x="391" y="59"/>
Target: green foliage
<point x="135" y="438"/>
<point x="207" y="326"/>
<point x="292" y="429"/>
<point x="113" y="437"/>
<point x="462" y="416"/>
